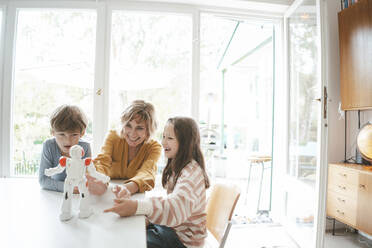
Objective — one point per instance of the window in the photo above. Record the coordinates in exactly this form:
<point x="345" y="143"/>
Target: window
<point x="304" y="81"/>
<point x="54" y="65"/>
<point x="150" y="60"/>
<point x="148" y="55"/>
<point x="236" y="96"/>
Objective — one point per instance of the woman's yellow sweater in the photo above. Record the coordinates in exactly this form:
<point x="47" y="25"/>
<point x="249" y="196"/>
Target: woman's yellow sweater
<point x="113" y="161"/>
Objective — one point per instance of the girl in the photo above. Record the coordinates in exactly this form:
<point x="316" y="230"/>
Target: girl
<point x="178" y="220"/>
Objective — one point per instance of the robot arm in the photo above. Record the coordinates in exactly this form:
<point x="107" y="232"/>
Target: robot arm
<point x="58" y="169"/>
<point x="92" y="171"/>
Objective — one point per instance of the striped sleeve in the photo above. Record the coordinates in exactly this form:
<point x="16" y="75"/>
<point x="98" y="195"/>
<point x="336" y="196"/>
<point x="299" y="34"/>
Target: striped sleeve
<point x="177" y="207"/>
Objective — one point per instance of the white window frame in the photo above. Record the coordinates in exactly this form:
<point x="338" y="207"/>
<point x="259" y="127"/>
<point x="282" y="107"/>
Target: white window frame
<point x="2" y="34"/>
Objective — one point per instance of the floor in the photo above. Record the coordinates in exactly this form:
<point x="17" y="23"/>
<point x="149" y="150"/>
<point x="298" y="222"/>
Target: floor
<point x="259" y="236"/>
<point x="271" y="236"/>
<point x="346" y="239"/>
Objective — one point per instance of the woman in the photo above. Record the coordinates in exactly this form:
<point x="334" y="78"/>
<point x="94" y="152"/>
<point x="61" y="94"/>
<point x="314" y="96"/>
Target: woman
<point x="130" y="153"/>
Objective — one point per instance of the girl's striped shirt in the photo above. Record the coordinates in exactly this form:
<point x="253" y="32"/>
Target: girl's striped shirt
<point x="183" y="209"/>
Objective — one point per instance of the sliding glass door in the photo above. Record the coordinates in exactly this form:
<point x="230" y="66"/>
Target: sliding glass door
<point x="306" y="133"/>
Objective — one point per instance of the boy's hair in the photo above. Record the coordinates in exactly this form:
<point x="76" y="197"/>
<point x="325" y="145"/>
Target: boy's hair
<point x="68" y="118"/>
<point x="188" y="137"/>
<point x="140" y="111"/>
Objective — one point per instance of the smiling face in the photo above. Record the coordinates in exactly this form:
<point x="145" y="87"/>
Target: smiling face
<point x="66" y="139"/>
<point x="135" y="132"/>
<point x="169" y="141"/>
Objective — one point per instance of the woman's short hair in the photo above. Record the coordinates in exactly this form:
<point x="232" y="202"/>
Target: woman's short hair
<point x="141" y="111"/>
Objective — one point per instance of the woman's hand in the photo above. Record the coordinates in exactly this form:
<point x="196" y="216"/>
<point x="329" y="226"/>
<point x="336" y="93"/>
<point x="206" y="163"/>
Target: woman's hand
<point x="123" y="207"/>
<point x="96" y="187"/>
<point x="121" y="192"/>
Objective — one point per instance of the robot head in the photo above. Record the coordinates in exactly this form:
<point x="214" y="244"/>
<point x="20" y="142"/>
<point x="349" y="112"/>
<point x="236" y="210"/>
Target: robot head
<point x="76" y="151"/>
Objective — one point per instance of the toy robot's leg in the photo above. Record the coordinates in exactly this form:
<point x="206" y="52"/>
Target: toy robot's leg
<point x="66" y="205"/>
<point x="85" y="209"/>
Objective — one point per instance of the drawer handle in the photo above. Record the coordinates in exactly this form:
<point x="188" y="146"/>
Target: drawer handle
<point x="341" y="200"/>
<point x="362" y="186"/>
<point x="343" y="174"/>
<point x="340" y="212"/>
<point x="341" y="187"/>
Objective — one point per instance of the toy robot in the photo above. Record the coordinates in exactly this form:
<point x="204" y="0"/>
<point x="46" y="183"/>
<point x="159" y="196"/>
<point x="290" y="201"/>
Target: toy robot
<point x="75" y="170"/>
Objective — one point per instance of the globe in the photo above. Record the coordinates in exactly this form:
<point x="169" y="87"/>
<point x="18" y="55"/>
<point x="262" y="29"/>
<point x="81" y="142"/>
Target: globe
<point x="364" y="142"/>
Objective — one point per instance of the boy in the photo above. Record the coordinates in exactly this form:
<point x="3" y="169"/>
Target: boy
<point x="68" y="124"/>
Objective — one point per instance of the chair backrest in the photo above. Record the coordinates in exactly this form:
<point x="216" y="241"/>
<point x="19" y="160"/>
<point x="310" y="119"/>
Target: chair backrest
<point x="220" y="207"/>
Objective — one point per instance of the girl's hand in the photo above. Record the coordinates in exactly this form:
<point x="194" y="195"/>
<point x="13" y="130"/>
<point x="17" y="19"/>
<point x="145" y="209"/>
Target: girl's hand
<point x="96" y="187"/>
<point x="121" y="192"/>
<point x="123" y="207"/>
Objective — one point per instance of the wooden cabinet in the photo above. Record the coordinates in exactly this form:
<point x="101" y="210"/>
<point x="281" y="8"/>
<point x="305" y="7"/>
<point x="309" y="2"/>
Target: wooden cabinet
<point x="355" y="40"/>
<point x="364" y="219"/>
<point x="349" y="196"/>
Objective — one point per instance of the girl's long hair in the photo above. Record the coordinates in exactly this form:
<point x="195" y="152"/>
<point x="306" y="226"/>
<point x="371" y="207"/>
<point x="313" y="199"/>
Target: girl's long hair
<point x="188" y="137"/>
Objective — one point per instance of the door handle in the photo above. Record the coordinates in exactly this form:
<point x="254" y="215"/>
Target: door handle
<point x="99" y="92"/>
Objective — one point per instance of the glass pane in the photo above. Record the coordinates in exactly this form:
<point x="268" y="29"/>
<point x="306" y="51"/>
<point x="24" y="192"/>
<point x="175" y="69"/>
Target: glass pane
<point x="236" y="71"/>
<point x="150" y="60"/>
<point x="54" y="65"/>
<point x="303" y="125"/>
<point x="304" y="89"/>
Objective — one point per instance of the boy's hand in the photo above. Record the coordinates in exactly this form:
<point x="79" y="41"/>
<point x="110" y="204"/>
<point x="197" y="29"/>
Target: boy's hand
<point x="95" y="186"/>
<point x="121" y="192"/>
<point x="123" y="207"/>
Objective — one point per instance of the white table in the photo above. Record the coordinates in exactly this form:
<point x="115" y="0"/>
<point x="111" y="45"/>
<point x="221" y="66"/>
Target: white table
<point x="29" y="217"/>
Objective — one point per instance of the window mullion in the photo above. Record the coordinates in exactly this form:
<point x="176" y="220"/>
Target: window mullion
<point x="101" y="89"/>
<point x="7" y="90"/>
<point x="195" y="85"/>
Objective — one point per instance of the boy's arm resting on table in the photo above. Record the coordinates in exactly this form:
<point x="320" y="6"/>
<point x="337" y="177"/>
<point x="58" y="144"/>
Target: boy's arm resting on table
<point x="45" y="181"/>
<point x="145" y="175"/>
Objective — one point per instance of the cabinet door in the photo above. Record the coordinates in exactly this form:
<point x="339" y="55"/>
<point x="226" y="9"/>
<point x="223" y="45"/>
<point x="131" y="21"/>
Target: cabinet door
<point x="355" y="24"/>
<point x="364" y="219"/>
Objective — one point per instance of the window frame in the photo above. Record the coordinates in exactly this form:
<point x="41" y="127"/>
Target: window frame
<point x="2" y="37"/>
<point x="8" y="66"/>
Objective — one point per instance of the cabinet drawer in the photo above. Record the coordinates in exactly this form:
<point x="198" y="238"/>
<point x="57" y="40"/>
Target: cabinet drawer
<point x="343" y="189"/>
<point x="339" y="174"/>
<point x="342" y="208"/>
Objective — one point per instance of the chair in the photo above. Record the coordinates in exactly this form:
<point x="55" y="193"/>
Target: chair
<point x="220" y="207"/>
